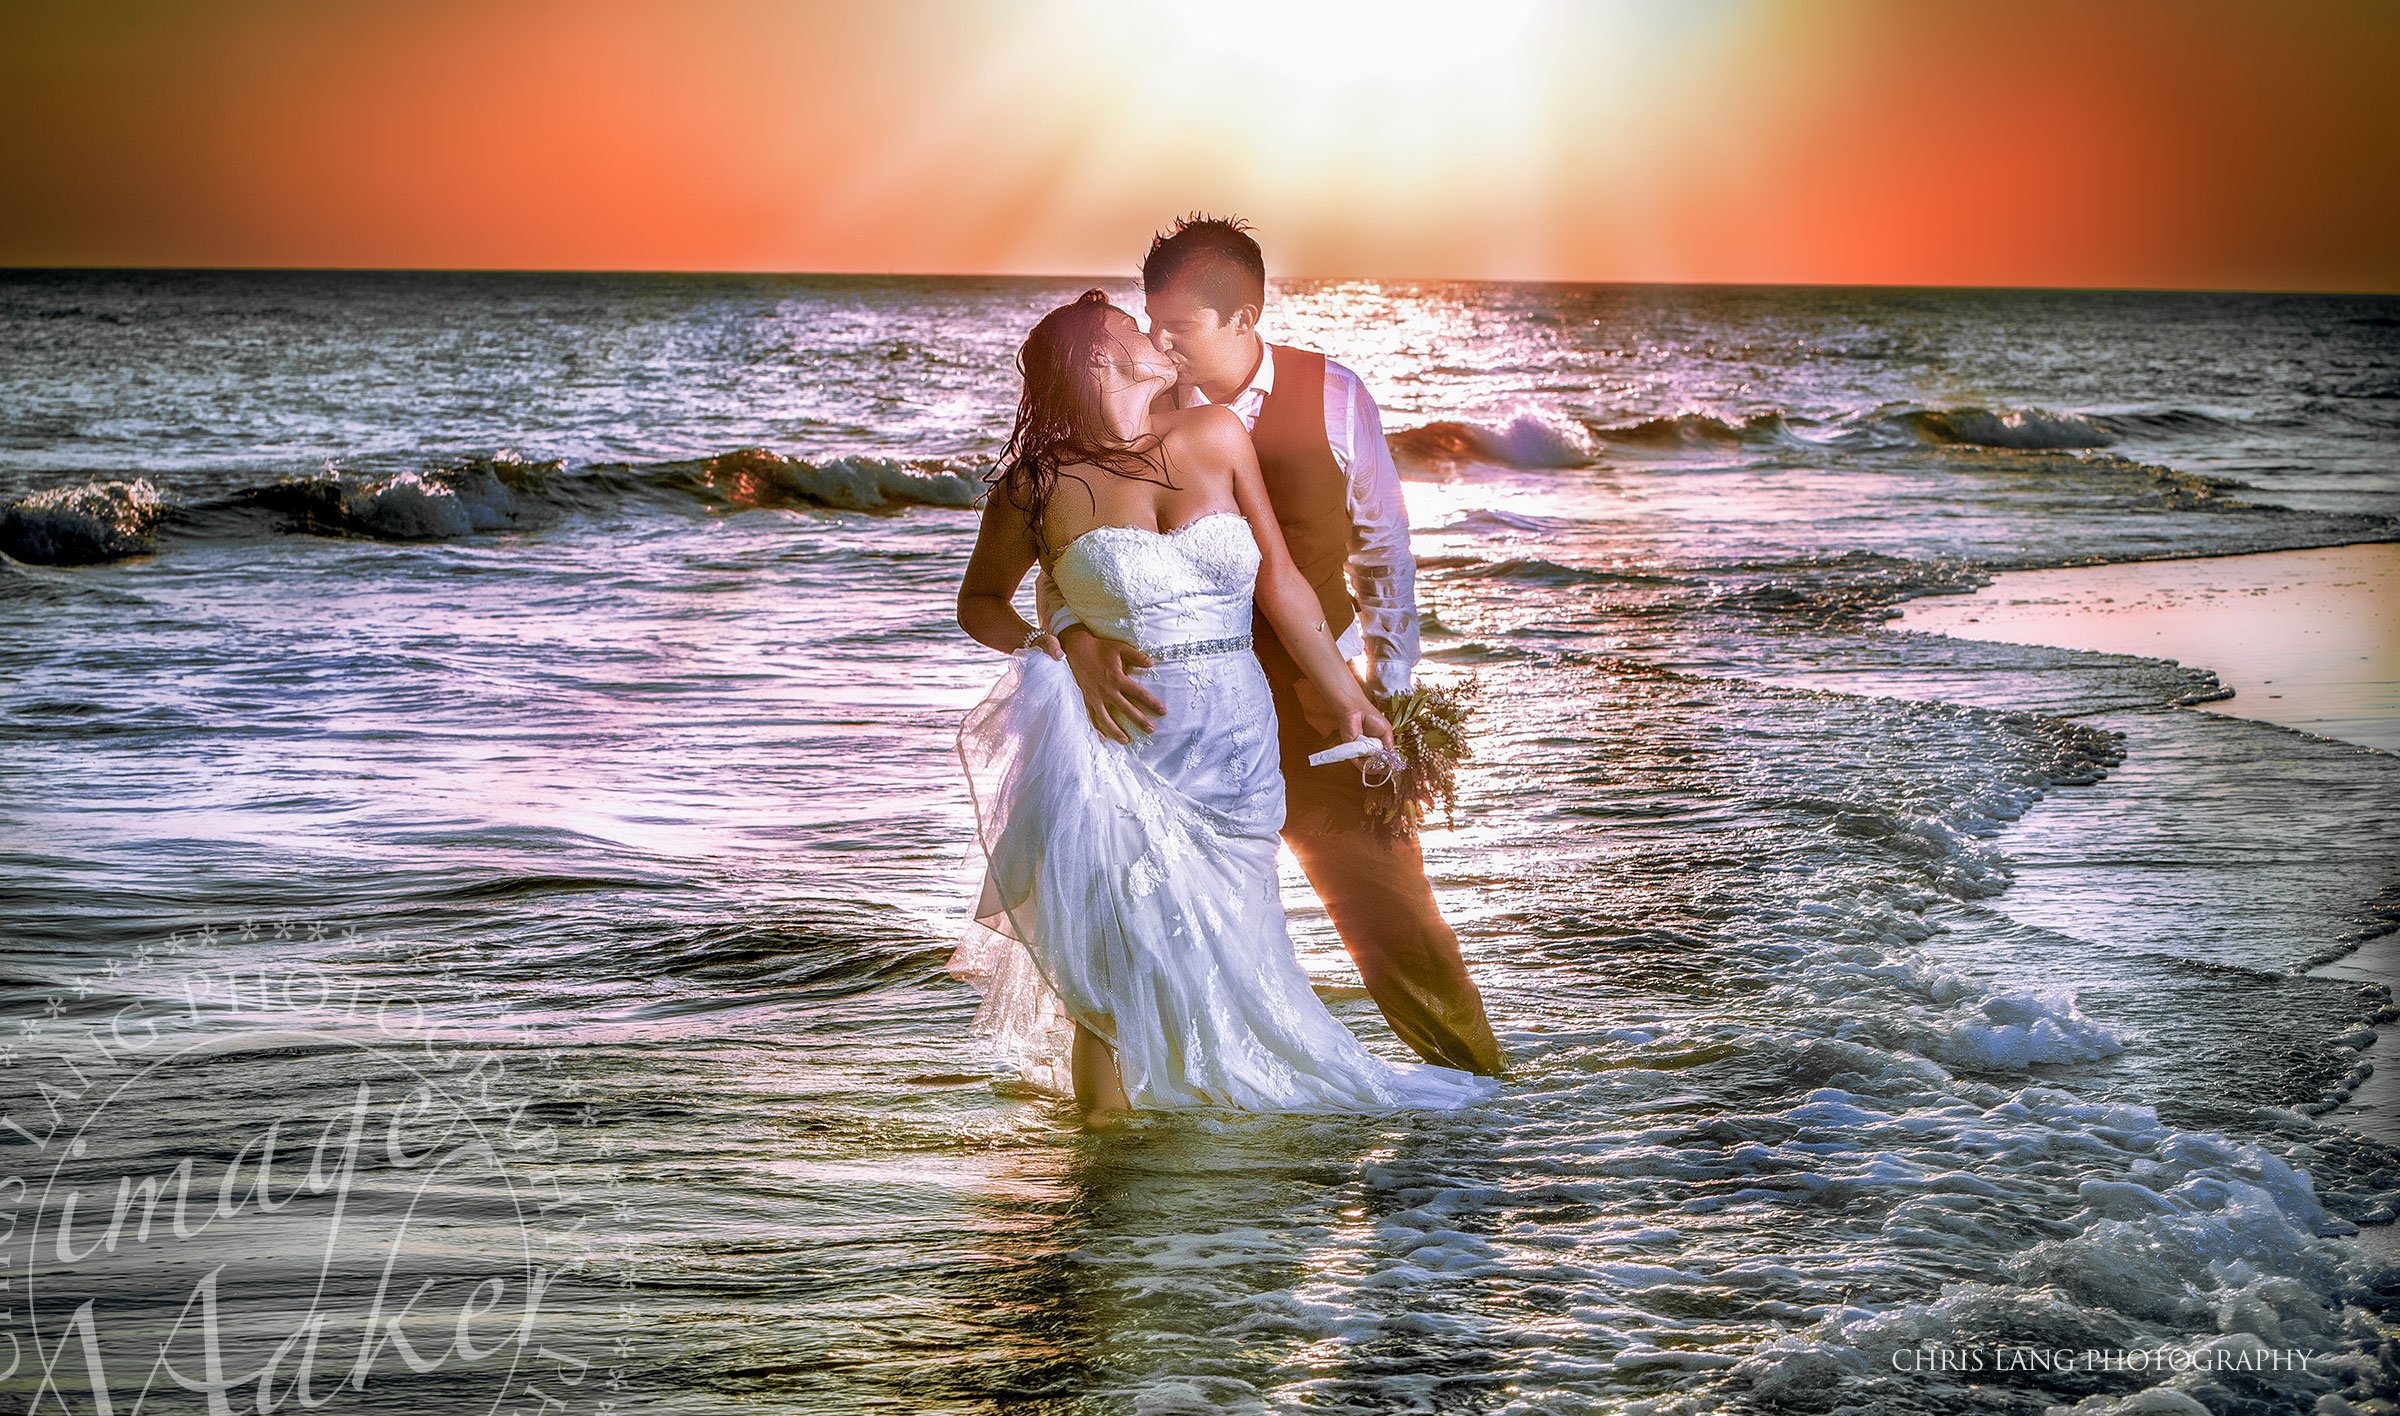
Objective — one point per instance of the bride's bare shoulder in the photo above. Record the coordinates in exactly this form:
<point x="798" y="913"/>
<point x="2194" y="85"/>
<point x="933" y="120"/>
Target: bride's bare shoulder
<point x="1209" y="427"/>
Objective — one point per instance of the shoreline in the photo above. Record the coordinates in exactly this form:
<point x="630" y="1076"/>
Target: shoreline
<point x="2305" y="639"/>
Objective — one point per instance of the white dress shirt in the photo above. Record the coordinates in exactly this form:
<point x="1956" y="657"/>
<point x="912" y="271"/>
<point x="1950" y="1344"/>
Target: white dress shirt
<point x="1383" y="568"/>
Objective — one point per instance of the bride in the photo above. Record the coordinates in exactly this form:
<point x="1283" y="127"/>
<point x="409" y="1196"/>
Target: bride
<point x="1130" y="932"/>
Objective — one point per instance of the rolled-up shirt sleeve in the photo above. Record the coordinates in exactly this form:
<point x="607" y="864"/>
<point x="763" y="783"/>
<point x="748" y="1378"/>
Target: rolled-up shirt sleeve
<point x="1050" y="607"/>
<point x="1383" y="567"/>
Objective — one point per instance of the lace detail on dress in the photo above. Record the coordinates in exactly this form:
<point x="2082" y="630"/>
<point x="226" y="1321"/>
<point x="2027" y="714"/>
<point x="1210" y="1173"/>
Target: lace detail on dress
<point x="1153" y="589"/>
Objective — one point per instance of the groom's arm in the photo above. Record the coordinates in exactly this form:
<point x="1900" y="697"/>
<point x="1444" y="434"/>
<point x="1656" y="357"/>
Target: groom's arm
<point x="1049" y="607"/>
<point x="1383" y="567"/>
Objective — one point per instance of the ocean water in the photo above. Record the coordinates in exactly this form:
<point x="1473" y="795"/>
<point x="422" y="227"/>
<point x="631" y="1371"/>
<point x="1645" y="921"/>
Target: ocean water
<point x="479" y="843"/>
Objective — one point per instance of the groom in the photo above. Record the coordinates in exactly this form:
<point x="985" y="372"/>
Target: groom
<point x="1337" y="497"/>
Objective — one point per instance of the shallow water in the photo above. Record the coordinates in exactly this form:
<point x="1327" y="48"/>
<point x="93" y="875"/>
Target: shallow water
<point x="583" y="825"/>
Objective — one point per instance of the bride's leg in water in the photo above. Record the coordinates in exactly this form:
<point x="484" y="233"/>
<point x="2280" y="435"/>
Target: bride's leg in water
<point x="1099" y="1090"/>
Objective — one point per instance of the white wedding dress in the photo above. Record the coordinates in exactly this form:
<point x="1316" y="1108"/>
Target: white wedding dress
<point x="1133" y="888"/>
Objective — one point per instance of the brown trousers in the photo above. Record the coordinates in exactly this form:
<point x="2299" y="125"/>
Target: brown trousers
<point x="1375" y="889"/>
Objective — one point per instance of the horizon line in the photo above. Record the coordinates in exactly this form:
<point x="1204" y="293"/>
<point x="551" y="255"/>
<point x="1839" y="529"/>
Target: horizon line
<point x="1134" y="278"/>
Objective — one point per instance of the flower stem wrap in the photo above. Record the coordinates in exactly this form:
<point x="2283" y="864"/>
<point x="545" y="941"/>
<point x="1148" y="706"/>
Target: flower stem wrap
<point x="1429" y="729"/>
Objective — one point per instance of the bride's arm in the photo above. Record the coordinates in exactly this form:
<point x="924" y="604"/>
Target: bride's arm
<point x="1284" y="596"/>
<point x="1004" y="551"/>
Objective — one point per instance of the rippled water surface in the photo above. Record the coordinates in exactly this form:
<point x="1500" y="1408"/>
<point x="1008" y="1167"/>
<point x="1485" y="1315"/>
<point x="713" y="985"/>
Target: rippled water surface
<point x="481" y="845"/>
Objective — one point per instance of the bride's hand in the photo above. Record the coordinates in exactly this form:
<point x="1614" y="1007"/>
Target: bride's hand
<point x="1359" y="719"/>
<point x="1364" y="721"/>
<point x="1347" y="718"/>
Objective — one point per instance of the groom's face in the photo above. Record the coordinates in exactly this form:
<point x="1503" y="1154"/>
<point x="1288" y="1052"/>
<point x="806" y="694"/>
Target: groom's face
<point x="1208" y="346"/>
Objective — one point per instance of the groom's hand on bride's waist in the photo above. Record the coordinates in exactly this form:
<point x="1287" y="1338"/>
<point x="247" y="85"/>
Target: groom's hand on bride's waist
<point x="1104" y="671"/>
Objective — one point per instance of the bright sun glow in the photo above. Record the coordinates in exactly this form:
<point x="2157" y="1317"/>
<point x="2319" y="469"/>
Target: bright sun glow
<point x="1322" y="103"/>
<point x="1408" y="136"/>
<point x="1336" y="43"/>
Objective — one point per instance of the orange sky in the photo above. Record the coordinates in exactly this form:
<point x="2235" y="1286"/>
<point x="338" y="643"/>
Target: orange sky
<point x="2176" y="143"/>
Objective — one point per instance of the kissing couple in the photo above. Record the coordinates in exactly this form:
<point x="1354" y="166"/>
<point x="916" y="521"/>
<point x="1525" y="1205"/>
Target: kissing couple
<point x="1219" y="529"/>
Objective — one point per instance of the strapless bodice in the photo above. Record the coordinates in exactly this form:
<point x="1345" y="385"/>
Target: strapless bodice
<point x="1162" y="589"/>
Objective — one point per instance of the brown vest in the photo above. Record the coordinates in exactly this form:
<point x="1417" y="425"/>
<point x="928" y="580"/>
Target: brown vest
<point x="1310" y="495"/>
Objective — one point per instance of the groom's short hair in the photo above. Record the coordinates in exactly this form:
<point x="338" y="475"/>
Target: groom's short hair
<point x="1217" y="253"/>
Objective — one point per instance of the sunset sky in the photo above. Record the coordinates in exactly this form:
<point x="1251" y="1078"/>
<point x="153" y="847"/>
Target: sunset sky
<point x="2177" y="143"/>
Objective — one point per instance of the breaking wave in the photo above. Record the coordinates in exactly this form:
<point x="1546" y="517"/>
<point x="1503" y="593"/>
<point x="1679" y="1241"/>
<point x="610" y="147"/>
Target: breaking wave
<point x="2019" y="429"/>
<point x="2025" y="429"/>
<point x="97" y="521"/>
<point x="756" y="477"/>
<point x="77" y="525"/>
<point x="1538" y="440"/>
<point x="1529" y="440"/>
<point x="1690" y="432"/>
<point x="109" y="519"/>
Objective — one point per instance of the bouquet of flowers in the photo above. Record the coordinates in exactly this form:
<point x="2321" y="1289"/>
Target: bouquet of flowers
<point x="1429" y="730"/>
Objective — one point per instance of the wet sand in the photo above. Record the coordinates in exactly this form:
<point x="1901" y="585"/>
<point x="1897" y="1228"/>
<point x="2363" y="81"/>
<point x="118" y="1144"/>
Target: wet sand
<point x="2307" y="639"/>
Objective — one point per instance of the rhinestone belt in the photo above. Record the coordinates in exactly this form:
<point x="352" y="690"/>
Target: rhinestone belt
<point x="1199" y="647"/>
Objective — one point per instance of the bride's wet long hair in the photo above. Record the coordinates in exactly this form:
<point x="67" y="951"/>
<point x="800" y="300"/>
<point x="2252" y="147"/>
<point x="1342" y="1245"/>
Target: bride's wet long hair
<point x="1059" y="418"/>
